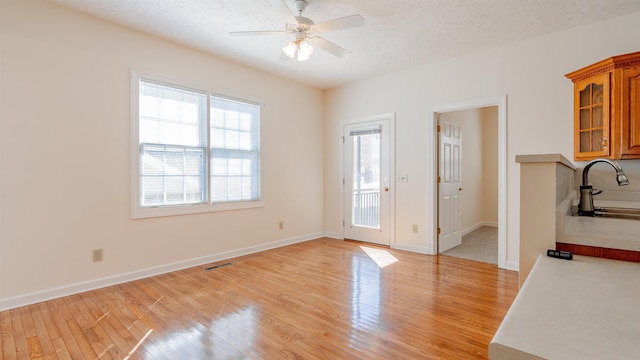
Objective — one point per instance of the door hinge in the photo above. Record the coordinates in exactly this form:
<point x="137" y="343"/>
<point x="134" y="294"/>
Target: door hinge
<point x="342" y="223"/>
<point x="438" y="232"/>
<point x="438" y="179"/>
<point x="343" y="139"/>
<point x="438" y="128"/>
<point x="343" y="182"/>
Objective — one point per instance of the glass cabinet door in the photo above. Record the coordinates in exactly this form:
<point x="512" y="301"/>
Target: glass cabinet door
<point x="592" y="116"/>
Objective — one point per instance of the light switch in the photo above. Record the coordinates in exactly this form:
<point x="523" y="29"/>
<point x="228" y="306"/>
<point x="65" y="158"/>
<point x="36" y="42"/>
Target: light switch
<point x="403" y="178"/>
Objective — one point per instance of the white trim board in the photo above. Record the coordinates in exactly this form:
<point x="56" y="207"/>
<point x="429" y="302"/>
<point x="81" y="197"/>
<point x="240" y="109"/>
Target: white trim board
<point x="333" y="235"/>
<point x="478" y="226"/>
<point x="513" y="265"/>
<point x="413" y="248"/>
<point x="71" y="289"/>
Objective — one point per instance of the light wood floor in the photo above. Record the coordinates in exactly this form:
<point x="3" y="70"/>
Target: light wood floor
<point x="322" y="299"/>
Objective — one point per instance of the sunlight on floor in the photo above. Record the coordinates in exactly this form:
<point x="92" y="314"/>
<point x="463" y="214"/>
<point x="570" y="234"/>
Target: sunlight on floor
<point x="381" y="257"/>
<point x="138" y="344"/>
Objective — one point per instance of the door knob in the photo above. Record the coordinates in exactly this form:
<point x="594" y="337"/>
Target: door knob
<point x="386" y="188"/>
<point x="460" y="189"/>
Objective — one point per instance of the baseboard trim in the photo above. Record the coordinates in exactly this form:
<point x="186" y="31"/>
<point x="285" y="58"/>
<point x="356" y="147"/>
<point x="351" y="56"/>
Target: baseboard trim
<point x="478" y="226"/>
<point x="54" y="293"/>
<point x="333" y="235"/>
<point x="413" y="248"/>
<point x="513" y="265"/>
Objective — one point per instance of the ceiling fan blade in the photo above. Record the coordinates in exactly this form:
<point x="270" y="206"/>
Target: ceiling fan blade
<point x="340" y="23"/>
<point x="285" y="11"/>
<point x="332" y="48"/>
<point x="263" y="32"/>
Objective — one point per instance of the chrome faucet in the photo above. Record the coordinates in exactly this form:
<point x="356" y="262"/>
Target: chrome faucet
<point x="585" y="208"/>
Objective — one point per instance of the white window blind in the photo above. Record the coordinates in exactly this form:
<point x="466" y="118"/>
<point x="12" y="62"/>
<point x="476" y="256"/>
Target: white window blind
<point x="195" y="148"/>
<point x="172" y="175"/>
<point x="172" y="145"/>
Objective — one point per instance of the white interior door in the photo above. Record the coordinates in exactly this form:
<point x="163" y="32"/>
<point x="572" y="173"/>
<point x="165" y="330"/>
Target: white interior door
<point x="450" y="180"/>
<point x="367" y="182"/>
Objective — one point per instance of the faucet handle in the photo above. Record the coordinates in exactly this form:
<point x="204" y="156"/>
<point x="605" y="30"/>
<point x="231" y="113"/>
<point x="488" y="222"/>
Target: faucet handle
<point x="596" y="191"/>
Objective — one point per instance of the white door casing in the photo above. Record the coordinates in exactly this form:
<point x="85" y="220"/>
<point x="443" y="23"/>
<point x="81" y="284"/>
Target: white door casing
<point x="367" y="183"/>
<point x="450" y="180"/>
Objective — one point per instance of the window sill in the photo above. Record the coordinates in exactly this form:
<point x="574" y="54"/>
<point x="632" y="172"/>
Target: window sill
<point x="144" y="213"/>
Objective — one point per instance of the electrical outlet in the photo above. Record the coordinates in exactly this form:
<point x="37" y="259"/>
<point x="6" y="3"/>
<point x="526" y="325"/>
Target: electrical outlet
<point x="97" y="255"/>
<point x="415" y="229"/>
<point x="281" y="225"/>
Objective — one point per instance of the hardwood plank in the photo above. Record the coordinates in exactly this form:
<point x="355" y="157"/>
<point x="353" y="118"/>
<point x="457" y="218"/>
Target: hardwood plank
<point x="319" y="299"/>
<point x="46" y="329"/>
<point x="81" y="325"/>
<point x="7" y="336"/>
<point x="35" y="350"/>
<point x="83" y="342"/>
<point x="61" y="349"/>
<point x="19" y="339"/>
<point x="65" y="346"/>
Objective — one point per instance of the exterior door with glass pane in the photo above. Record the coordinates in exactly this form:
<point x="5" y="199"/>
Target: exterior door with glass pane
<point x="366" y="182"/>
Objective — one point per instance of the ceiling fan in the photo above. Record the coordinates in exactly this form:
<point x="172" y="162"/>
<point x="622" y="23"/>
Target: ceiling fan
<point x="304" y="31"/>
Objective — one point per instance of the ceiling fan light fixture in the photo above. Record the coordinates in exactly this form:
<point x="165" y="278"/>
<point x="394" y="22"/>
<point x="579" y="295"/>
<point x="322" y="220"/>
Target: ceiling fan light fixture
<point x="290" y="49"/>
<point x="300" y="49"/>
<point x="305" y="31"/>
<point x="305" y="51"/>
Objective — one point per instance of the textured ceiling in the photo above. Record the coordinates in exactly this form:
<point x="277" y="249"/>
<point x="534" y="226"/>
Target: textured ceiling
<point x="397" y="34"/>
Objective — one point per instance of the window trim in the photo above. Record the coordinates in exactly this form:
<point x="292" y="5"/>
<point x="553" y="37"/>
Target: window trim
<point x="138" y="212"/>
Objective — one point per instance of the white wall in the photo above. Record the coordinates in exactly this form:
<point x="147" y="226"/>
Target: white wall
<point x="471" y="195"/>
<point x="64" y="156"/>
<point x="539" y="113"/>
<point x="489" y="117"/>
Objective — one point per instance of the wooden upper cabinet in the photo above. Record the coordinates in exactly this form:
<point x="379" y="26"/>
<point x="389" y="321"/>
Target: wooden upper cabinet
<point x="631" y="112"/>
<point x="607" y="109"/>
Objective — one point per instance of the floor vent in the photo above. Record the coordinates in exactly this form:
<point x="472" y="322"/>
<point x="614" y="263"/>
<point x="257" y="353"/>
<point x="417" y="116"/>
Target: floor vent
<point x="217" y="266"/>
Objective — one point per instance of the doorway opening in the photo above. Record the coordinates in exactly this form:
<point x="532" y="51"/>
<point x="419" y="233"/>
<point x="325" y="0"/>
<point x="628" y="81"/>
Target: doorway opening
<point x="470" y="207"/>
<point x="468" y="186"/>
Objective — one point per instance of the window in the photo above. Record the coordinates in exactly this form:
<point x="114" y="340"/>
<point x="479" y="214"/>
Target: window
<point x="235" y="155"/>
<point x="194" y="151"/>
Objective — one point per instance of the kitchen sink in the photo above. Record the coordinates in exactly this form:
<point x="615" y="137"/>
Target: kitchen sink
<point x="613" y="212"/>
<point x="619" y="213"/>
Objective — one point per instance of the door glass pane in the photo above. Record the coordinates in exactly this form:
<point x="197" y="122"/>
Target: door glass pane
<point x="596" y="140"/>
<point x="366" y="179"/>
<point x="597" y="93"/>
<point x="585" y="96"/>
<point x="597" y="116"/>
<point x="585" y="141"/>
<point x="585" y="119"/>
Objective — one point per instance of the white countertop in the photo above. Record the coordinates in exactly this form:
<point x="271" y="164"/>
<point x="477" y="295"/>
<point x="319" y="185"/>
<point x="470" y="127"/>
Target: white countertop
<point x="545" y="158"/>
<point x="585" y="308"/>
